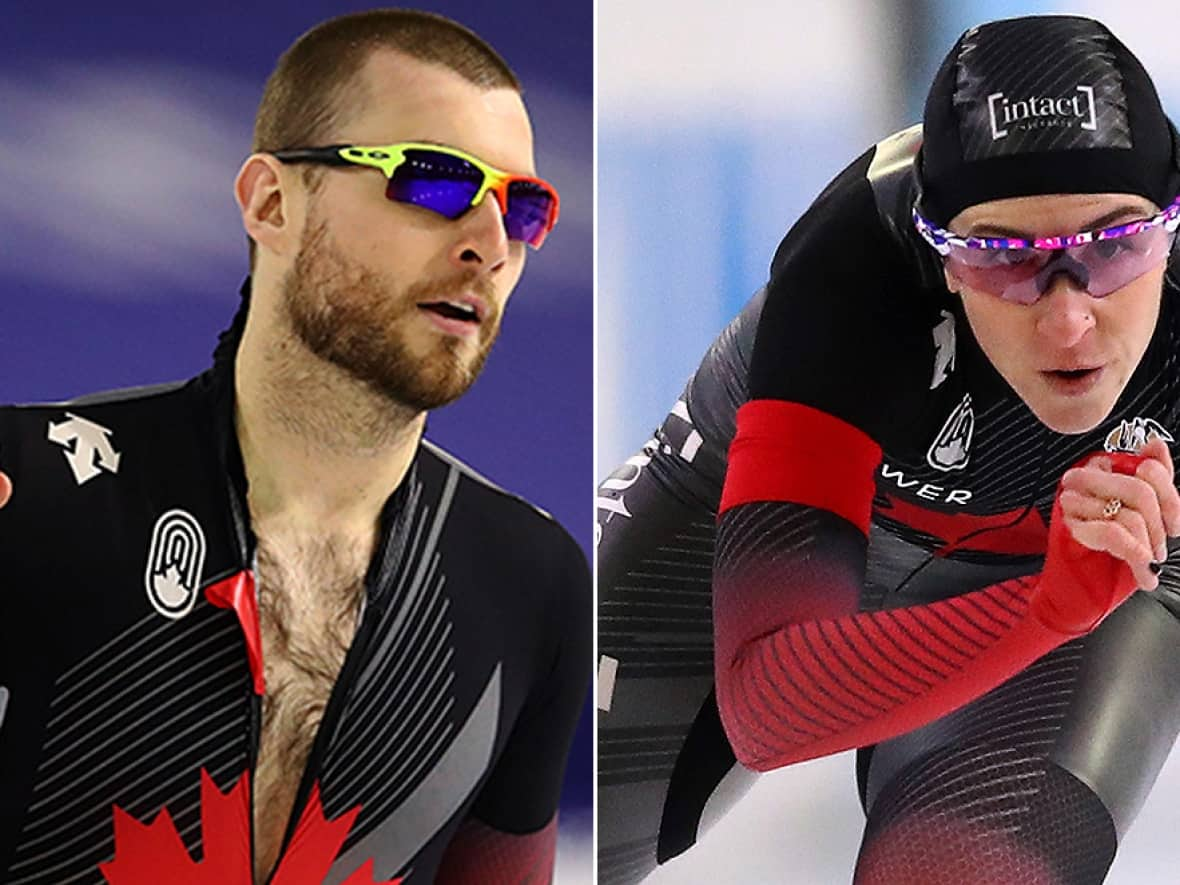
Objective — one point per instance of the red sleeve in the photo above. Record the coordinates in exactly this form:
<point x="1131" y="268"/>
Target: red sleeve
<point x="482" y="854"/>
<point x="800" y="672"/>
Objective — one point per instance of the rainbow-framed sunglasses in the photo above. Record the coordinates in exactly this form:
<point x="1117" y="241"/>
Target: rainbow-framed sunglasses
<point x="1021" y="271"/>
<point x="448" y="181"/>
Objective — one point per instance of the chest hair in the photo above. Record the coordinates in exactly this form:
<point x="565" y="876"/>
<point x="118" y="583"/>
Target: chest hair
<point x="309" y="596"/>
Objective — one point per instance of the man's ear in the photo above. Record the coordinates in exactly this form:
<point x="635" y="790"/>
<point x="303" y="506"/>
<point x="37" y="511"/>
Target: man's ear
<point x="264" y="203"/>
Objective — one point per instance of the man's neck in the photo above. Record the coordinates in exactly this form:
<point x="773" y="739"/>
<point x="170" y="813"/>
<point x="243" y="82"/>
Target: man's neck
<point x="321" y="451"/>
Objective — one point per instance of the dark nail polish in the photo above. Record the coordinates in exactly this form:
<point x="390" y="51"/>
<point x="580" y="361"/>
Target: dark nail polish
<point x="1156" y="567"/>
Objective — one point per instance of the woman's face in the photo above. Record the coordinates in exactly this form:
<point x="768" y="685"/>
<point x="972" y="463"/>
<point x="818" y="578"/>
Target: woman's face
<point x="1068" y="356"/>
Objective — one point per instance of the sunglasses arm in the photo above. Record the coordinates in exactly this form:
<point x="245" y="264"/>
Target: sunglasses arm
<point x="329" y="156"/>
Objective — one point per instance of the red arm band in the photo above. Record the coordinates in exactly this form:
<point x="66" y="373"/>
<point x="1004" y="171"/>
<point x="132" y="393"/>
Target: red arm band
<point x="790" y="452"/>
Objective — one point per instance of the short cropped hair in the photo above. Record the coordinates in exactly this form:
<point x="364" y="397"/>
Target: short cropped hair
<point x="313" y="85"/>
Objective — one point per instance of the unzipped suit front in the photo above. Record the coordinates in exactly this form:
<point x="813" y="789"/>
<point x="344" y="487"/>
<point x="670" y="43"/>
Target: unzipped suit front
<point x="131" y="673"/>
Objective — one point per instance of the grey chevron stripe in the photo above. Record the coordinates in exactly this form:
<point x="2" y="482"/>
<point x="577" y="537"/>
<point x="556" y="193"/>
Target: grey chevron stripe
<point x="425" y="560"/>
<point x="100" y="653"/>
<point x="129" y="752"/>
<point x="399" y="721"/>
<point x="428" y="604"/>
<point x="128" y="738"/>
<point x="360" y="730"/>
<point x="434" y="801"/>
<point x="375" y="729"/>
<point x="125" y="704"/>
<point x="95" y="833"/>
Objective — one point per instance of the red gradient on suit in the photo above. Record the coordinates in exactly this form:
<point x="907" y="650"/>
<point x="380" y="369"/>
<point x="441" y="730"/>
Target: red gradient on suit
<point x="934" y="848"/>
<point x="819" y="687"/>
<point x="481" y="854"/>
<point x="789" y="691"/>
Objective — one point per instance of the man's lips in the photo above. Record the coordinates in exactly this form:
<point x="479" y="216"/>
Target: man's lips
<point x="459" y="315"/>
<point x="462" y="308"/>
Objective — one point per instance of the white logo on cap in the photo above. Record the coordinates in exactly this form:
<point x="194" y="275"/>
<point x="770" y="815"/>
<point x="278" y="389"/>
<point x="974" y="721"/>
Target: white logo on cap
<point x="1042" y="110"/>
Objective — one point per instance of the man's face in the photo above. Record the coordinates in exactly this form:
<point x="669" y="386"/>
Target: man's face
<point x="1068" y="356"/>
<point x="368" y="288"/>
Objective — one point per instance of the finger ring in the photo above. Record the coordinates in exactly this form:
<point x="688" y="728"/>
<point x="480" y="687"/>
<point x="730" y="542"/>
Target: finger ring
<point x="1112" y="508"/>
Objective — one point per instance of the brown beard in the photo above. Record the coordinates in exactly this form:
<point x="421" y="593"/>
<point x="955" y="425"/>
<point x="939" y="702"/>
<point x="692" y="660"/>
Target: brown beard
<point x="357" y="320"/>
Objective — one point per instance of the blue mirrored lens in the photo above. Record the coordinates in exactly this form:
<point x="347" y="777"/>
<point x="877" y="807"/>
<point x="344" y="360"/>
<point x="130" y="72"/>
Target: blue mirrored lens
<point x="440" y="182"/>
<point x="529" y="206"/>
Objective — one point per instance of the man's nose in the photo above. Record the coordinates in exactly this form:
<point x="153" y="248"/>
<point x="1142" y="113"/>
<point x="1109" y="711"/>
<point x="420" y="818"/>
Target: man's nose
<point x="483" y="240"/>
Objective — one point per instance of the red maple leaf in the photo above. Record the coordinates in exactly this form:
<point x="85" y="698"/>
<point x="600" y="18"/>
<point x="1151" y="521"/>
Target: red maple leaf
<point x="314" y="846"/>
<point x="153" y="853"/>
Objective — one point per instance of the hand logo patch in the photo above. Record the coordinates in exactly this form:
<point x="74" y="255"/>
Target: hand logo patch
<point x="176" y="560"/>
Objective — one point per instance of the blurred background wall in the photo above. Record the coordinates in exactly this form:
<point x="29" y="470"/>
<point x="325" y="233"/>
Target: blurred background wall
<point x="717" y="125"/>
<point x="122" y="125"/>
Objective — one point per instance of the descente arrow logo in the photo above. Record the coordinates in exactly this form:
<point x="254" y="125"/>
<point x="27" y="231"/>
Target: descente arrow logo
<point x="88" y="447"/>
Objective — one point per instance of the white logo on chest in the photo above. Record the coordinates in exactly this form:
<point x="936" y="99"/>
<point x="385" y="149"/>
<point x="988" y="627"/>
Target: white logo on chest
<point x="925" y="490"/>
<point x="1131" y="436"/>
<point x="950" y="449"/>
<point x="88" y="447"/>
<point x="175" y="563"/>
